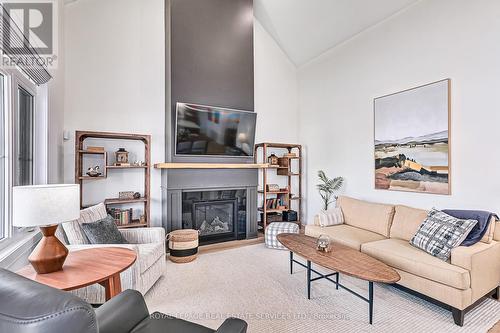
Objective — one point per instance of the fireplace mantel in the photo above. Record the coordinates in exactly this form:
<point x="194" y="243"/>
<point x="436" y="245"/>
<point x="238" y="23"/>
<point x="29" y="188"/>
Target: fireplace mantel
<point x="212" y="166"/>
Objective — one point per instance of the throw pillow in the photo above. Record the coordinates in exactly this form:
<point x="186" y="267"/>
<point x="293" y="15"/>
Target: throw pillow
<point x="440" y="233"/>
<point x="73" y="229"/>
<point x="329" y="217"/>
<point x="104" y="231"/>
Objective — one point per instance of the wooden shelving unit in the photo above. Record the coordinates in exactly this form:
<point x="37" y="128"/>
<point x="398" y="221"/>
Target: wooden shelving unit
<point x="81" y="178"/>
<point x="293" y="201"/>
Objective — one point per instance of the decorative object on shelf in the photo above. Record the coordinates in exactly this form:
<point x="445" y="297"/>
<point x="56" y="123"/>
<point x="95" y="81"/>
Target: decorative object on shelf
<point x="94" y="172"/>
<point x="142" y="219"/>
<point x="137" y="195"/>
<point x="46" y="206"/>
<point x="139" y="164"/>
<point x="121" y="157"/>
<point x="412" y="139"/>
<point x="284" y="162"/>
<point x="272" y="217"/>
<point x="324" y="244"/>
<point x="183" y="245"/>
<point x="327" y="188"/>
<point x="272" y="159"/>
<point x="290" y="216"/>
<point x="290" y="155"/>
<point x="126" y="195"/>
<point x="272" y="188"/>
<point x="95" y="149"/>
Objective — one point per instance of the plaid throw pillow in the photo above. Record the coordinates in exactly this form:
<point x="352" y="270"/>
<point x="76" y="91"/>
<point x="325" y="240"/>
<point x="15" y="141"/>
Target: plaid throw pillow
<point x="440" y="233"/>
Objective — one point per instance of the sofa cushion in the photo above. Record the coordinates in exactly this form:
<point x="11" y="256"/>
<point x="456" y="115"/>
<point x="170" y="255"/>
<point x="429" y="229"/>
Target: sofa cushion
<point x="496" y="232"/>
<point x="489" y="235"/>
<point x="406" y="222"/>
<point x="367" y="215"/>
<point x="344" y="234"/>
<point x="73" y="230"/>
<point x="149" y="253"/>
<point x="401" y="255"/>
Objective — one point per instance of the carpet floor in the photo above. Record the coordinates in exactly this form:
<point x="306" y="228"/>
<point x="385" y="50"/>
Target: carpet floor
<point x="253" y="283"/>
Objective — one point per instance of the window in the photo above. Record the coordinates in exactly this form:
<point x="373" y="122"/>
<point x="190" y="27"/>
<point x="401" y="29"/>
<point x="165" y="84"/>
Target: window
<point x="23" y="143"/>
<point x="23" y="138"/>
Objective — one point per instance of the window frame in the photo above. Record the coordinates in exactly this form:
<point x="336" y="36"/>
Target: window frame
<point x="14" y="79"/>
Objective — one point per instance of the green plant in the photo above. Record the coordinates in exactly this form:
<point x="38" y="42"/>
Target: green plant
<point x="328" y="187"/>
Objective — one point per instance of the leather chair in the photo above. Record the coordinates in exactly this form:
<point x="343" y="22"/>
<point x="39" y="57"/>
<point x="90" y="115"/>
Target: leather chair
<point x="28" y="307"/>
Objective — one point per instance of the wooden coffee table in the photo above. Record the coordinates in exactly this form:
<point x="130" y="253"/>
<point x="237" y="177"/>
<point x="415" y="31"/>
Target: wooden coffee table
<point x="341" y="259"/>
<point x="86" y="267"/>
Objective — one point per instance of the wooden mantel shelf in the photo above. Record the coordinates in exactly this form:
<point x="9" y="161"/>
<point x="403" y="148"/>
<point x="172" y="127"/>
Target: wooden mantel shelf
<point x="211" y="166"/>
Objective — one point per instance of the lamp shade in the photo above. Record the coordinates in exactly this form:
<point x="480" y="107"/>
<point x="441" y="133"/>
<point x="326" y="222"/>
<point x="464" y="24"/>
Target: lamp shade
<point x="44" y="205"/>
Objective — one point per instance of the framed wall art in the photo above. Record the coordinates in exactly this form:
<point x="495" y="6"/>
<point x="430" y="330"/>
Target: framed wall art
<point x="412" y="139"/>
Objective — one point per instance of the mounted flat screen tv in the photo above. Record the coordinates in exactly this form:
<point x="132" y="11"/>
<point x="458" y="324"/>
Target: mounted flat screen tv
<point x="213" y="131"/>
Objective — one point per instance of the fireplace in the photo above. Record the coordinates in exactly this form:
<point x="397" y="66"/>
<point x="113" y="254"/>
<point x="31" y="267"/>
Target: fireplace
<point x="218" y="215"/>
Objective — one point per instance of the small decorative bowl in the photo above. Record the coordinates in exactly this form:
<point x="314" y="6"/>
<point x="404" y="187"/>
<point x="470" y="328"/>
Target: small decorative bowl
<point x="94" y="173"/>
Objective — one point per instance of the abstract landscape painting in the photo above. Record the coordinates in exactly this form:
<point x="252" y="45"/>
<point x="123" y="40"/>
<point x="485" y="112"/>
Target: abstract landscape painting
<point x="412" y="140"/>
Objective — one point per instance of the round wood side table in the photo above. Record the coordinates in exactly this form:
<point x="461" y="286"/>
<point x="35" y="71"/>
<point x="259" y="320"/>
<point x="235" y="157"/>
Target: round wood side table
<point x="86" y="267"/>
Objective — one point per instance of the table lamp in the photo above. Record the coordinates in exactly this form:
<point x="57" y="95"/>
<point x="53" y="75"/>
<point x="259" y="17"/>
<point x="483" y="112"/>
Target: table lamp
<point x="46" y="206"/>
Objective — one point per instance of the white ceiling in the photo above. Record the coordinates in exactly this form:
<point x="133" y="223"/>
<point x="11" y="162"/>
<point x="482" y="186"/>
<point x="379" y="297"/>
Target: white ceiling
<point x="307" y="28"/>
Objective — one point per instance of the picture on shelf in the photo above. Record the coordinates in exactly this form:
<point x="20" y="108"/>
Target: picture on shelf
<point x="412" y="140"/>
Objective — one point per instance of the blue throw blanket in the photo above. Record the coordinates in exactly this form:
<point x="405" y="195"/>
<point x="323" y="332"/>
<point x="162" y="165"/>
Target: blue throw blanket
<point x="483" y="218"/>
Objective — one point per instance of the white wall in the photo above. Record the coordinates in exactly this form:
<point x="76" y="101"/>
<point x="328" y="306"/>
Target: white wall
<point x="432" y="40"/>
<point x="56" y="109"/>
<point x="276" y="95"/>
<point x="115" y="79"/>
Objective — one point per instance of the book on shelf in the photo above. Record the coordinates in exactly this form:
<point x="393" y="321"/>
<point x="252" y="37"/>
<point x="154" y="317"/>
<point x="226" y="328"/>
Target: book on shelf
<point x="121" y="216"/>
<point x="275" y="203"/>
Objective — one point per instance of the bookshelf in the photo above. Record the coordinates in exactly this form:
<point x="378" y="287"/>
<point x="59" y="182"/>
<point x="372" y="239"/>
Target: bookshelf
<point x="82" y="179"/>
<point x="290" y="167"/>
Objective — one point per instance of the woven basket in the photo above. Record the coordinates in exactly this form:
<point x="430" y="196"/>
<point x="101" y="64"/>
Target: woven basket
<point x="183" y="245"/>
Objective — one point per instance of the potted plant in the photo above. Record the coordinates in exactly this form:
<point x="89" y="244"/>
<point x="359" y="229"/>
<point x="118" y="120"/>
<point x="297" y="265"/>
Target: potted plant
<point x="327" y="188"/>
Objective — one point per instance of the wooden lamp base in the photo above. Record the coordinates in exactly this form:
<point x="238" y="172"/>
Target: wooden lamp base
<point x="50" y="253"/>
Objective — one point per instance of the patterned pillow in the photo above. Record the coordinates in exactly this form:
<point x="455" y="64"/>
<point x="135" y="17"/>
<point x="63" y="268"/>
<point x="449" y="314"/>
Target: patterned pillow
<point x="329" y="217"/>
<point x="440" y="233"/>
<point x="104" y="231"/>
<point x="73" y="230"/>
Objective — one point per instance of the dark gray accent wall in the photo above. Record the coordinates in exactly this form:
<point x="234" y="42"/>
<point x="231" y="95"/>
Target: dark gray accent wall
<point x="212" y="58"/>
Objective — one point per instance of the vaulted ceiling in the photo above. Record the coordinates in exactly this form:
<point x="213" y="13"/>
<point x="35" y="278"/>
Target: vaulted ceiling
<point x="305" y="29"/>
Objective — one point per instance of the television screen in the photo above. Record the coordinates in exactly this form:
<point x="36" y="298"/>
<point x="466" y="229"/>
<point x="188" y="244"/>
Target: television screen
<point x="214" y="131"/>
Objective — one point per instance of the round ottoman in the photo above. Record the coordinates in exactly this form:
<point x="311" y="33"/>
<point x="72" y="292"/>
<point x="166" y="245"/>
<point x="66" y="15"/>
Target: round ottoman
<point x="276" y="228"/>
<point x="183" y="245"/>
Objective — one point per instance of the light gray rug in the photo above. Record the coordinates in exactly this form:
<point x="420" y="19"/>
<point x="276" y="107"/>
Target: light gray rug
<point x="253" y="283"/>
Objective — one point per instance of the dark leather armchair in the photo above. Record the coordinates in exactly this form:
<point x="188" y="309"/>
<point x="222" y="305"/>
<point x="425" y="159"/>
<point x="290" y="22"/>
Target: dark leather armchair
<point x="28" y="307"/>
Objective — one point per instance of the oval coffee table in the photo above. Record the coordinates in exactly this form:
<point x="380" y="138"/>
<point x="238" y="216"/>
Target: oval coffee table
<point x="341" y="259"/>
<point x="85" y="267"/>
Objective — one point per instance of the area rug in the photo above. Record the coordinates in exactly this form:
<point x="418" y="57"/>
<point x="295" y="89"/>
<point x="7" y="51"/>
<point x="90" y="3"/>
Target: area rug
<point x="253" y="283"/>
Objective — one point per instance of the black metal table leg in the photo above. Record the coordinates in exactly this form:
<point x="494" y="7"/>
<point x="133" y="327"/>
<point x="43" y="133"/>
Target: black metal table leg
<point x="337" y="280"/>
<point x="370" y="300"/>
<point x="308" y="279"/>
<point x="291" y="262"/>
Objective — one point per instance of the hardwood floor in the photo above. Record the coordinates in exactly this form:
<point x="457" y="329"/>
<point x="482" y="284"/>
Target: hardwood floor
<point x="230" y="245"/>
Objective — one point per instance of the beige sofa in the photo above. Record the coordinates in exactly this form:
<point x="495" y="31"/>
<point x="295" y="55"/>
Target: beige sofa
<point x="384" y="231"/>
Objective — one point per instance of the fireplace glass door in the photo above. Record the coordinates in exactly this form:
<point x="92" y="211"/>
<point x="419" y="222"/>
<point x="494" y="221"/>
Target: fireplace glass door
<point x="214" y="218"/>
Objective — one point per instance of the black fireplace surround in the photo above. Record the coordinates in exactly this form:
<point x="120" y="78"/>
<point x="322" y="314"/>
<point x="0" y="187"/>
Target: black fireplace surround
<point x="219" y="215"/>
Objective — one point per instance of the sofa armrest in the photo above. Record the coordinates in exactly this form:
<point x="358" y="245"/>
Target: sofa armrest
<point x="483" y="262"/>
<point x="144" y="235"/>
<point x="233" y="325"/>
<point x="122" y="313"/>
